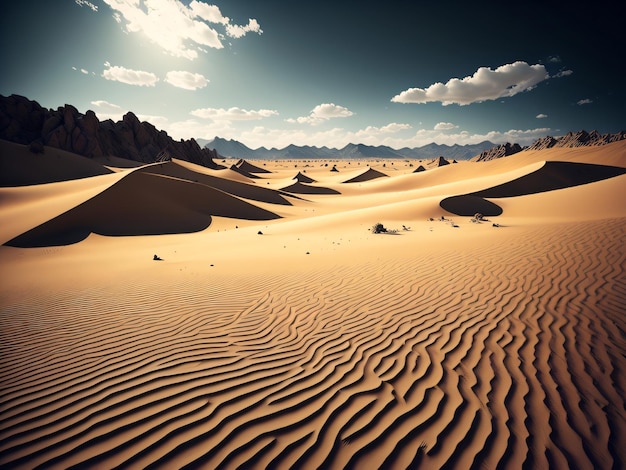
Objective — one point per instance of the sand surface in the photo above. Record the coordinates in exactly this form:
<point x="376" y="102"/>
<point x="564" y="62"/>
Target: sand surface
<point x="278" y="331"/>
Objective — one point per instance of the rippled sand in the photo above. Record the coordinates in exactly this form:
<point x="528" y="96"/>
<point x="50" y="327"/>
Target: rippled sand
<point x="316" y="343"/>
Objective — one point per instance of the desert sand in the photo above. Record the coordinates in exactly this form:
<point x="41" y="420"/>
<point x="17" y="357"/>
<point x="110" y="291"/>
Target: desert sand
<point x="278" y="331"/>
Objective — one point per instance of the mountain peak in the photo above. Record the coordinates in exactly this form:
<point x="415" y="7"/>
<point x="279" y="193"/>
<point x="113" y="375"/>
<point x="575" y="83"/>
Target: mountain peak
<point x="235" y="149"/>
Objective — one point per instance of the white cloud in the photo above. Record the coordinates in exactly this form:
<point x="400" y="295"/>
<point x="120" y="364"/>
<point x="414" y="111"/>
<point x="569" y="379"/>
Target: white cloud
<point x="210" y="13"/>
<point x="105" y="110"/>
<point x="85" y="3"/>
<point x="394" y="127"/>
<point x="563" y="73"/>
<point x="338" y="137"/>
<point x="236" y="31"/>
<point x="178" y="29"/>
<point x="160" y="122"/>
<point x="106" y="106"/>
<point x="193" y="129"/>
<point x="233" y="114"/>
<point x="129" y="76"/>
<point x="426" y="136"/>
<point x="323" y="112"/>
<point x="444" y="126"/>
<point x="486" y="84"/>
<point x="372" y="132"/>
<point x="541" y="116"/>
<point x="585" y="101"/>
<point x="186" y="80"/>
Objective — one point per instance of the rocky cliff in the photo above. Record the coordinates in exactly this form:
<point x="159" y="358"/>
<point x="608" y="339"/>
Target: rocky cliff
<point x="26" y="122"/>
<point x="577" y="139"/>
<point x="569" y="140"/>
<point x="499" y="151"/>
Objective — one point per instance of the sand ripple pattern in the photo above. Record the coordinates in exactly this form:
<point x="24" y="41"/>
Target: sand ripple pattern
<point x="508" y="357"/>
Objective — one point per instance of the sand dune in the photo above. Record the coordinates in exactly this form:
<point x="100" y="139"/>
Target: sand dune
<point x="142" y="204"/>
<point x="23" y="208"/>
<point x="21" y="167"/>
<point x="367" y="175"/>
<point x="283" y="333"/>
<point x="552" y="175"/>
<point x="244" y="189"/>
<point x="303" y="188"/>
<point x="248" y="167"/>
<point x="302" y="178"/>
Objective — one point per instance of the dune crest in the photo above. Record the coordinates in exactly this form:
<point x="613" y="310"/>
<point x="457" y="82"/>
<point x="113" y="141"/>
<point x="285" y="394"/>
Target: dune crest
<point x="552" y="176"/>
<point x="304" y="188"/>
<point x="367" y="175"/>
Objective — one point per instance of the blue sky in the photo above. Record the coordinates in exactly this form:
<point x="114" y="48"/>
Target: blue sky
<point x="270" y="73"/>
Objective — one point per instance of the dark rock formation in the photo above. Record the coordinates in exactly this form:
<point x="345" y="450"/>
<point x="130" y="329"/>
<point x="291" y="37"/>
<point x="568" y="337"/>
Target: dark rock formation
<point x="25" y="122"/>
<point x="569" y="140"/>
<point x="499" y="151"/>
<point x="577" y="139"/>
<point x="441" y="161"/>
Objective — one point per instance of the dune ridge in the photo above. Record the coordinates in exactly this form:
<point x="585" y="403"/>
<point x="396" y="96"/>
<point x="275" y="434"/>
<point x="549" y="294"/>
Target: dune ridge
<point x="552" y="176"/>
<point x="143" y="203"/>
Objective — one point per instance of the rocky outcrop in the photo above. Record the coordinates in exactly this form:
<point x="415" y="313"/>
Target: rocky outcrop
<point x="569" y="140"/>
<point x="440" y="161"/>
<point x="26" y="122"/>
<point x="577" y="139"/>
<point x="499" y="151"/>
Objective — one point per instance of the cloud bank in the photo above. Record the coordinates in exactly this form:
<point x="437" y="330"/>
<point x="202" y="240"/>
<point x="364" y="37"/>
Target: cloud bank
<point x="178" y="29"/>
<point x="486" y="84"/>
<point x="444" y="126"/>
<point x="233" y="114"/>
<point x="129" y="76"/>
<point x="177" y="78"/>
<point x="323" y="112"/>
<point x="186" y="80"/>
<point x="86" y="3"/>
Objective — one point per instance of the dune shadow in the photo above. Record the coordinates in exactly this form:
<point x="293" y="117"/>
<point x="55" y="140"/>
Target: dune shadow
<point x="73" y="227"/>
<point x="468" y="205"/>
<point x="552" y="176"/>
<point x="142" y="204"/>
<point x="236" y="188"/>
<point x="302" y="188"/>
<point x="368" y="175"/>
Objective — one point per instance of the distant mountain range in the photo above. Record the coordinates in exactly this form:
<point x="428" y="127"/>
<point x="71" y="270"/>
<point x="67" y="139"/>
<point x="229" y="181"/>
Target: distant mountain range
<point x="23" y="121"/>
<point x="234" y="149"/>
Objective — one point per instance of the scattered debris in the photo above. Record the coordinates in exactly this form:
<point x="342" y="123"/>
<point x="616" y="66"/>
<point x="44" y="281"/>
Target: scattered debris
<point x="379" y="228"/>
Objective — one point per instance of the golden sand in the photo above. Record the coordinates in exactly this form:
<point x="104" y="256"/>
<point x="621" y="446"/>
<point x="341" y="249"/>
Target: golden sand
<point x="278" y="331"/>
